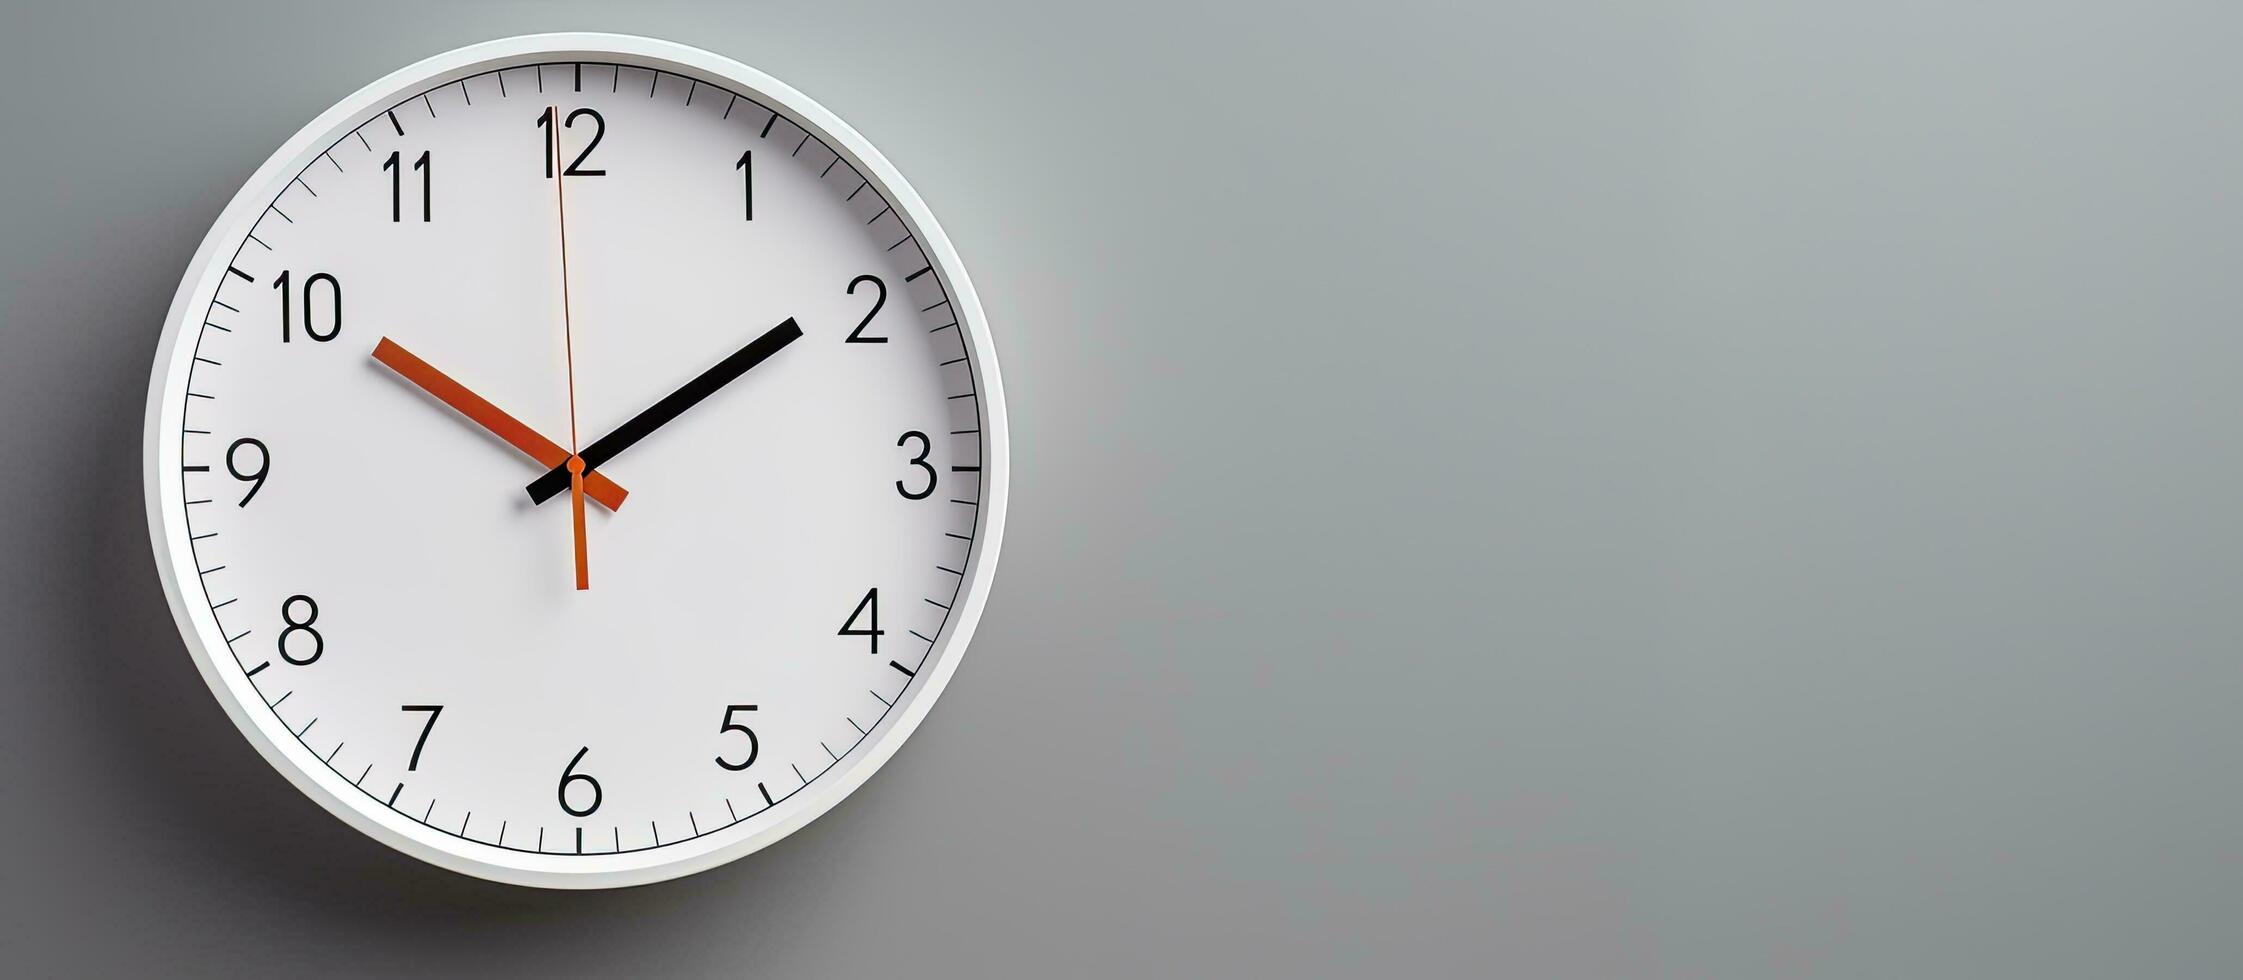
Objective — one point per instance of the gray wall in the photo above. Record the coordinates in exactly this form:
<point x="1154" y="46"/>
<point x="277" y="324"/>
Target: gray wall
<point x="1524" y="489"/>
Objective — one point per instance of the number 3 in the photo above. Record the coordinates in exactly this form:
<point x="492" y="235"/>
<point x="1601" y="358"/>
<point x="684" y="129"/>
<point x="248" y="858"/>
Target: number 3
<point x="925" y="446"/>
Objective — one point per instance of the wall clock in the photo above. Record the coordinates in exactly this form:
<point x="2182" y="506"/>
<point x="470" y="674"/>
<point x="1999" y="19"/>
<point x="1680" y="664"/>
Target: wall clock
<point x="576" y="460"/>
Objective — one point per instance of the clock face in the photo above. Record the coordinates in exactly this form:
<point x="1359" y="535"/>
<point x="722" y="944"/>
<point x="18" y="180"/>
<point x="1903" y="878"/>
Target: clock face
<point x="576" y="460"/>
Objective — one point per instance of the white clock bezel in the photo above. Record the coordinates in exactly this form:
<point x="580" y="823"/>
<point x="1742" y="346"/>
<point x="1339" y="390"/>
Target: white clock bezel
<point x="198" y="626"/>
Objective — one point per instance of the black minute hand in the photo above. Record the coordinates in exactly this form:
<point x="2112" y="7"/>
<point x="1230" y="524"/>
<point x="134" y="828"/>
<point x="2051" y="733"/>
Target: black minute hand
<point x="556" y="480"/>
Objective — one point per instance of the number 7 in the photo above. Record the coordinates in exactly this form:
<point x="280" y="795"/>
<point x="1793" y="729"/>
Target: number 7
<point x="433" y="711"/>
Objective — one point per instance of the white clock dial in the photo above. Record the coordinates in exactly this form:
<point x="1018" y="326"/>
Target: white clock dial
<point x="684" y="281"/>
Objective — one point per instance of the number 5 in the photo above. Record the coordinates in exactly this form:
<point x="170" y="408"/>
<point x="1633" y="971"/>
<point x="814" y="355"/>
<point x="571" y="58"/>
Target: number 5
<point x="730" y="726"/>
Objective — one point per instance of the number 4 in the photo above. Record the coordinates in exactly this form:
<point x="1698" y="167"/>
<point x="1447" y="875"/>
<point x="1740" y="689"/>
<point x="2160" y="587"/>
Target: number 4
<point x="869" y="607"/>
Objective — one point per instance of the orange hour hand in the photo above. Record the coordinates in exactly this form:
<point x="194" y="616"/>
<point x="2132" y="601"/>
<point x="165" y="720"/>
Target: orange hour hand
<point x="548" y="453"/>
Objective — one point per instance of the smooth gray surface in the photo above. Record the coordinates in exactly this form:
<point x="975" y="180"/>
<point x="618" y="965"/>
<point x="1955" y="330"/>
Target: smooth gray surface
<point x="1537" y="490"/>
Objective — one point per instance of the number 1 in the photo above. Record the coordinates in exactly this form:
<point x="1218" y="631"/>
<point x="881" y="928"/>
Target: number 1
<point x="747" y="180"/>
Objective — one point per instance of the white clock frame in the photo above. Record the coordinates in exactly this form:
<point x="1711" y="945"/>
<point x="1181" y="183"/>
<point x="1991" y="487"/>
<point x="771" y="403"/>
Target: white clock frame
<point x="199" y="626"/>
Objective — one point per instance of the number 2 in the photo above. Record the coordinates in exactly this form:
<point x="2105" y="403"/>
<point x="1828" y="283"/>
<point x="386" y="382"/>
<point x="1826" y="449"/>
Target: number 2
<point x="879" y="300"/>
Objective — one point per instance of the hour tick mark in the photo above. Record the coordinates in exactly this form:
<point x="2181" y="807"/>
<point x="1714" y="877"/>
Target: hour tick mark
<point x="907" y="672"/>
<point x="253" y="670"/>
<point x="766" y="134"/>
<point x="766" y="791"/>
<point x="393" y="123"/>
<point x="393" y="795"/>
<point x="919" y="273"/>
<point x="246" y="277"/>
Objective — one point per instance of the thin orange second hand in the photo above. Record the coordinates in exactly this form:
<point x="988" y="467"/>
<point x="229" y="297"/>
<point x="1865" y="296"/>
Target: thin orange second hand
<point x="568" y="346"/>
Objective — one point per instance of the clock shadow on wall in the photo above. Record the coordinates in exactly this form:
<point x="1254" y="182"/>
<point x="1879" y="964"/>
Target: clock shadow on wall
<point x="156" y="760"/>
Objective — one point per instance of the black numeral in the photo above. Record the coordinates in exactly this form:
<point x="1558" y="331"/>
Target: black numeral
<point x="732" y="726"/>
<point x="920" y="461"/>
<point x="257" y="478"/>
<point x="433" y="710"/>
<point x="291" y="625"/>
<point x="570" y="775"/>
<point x="311" y="328"/>
<point x="879" y="300"/>
<point x="868" y="607"/>
<point x="747" y="180"/>
<point x="397" y="185"/>
<point x="552" y="141"/>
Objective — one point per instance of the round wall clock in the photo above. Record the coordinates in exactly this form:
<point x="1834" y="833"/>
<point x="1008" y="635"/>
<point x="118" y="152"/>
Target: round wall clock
<point x="576" y="460"/>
